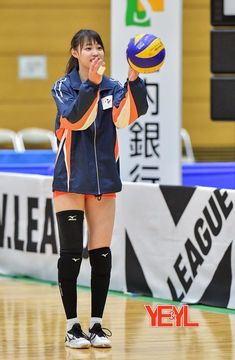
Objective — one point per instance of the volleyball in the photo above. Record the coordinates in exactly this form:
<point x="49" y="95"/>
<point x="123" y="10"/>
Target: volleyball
<point x="145" y="53"/>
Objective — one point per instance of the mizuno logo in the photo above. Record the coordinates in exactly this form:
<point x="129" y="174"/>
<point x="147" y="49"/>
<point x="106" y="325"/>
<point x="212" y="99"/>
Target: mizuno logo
<point x="104" y="255"/>
<point x="74" y="259"/>
<point x="72" y="218"/>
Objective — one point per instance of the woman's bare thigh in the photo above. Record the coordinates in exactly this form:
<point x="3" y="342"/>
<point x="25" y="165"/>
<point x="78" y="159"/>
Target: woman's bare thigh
<point x="69" y="201"/>
<point x="100" y="220"/>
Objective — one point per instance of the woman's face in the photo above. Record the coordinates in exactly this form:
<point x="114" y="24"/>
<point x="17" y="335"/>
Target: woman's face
<point x="88" y="52"/>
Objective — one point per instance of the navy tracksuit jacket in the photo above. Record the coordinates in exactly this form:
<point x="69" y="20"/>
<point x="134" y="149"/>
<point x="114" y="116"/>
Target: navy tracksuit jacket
<point x="86" y="122"/>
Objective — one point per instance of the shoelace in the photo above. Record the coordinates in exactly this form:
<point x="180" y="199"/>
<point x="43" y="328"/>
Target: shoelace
<point x="98" y="330"/>
<point x="77" y="331"/>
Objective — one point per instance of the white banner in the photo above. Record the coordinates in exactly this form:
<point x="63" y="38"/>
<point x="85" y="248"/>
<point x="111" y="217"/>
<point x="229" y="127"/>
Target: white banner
<point x="150" y="148"/>
<point x="170" y="242"/>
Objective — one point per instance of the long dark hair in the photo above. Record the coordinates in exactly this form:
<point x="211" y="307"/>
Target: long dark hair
<point x="78" y="40"/>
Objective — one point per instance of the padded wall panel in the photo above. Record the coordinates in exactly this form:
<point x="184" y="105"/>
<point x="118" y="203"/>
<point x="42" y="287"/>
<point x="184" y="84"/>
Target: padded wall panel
<point x="217" y="14"/>
<point x="223" y="98"/>
<point x="223" y="51"/>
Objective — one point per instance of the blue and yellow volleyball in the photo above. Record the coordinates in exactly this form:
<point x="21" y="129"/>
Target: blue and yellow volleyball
<point x="145" y="53"/>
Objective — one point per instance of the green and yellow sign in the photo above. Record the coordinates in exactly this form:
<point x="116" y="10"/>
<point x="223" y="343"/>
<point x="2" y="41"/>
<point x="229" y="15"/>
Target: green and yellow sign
<point x="138" y="12"/>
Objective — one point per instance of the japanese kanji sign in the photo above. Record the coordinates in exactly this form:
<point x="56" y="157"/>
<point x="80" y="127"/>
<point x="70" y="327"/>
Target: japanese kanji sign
<point x="150" y="148"/>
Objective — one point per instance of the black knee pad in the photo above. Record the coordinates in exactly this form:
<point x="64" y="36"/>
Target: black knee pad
<point x="70" y="226"/>
<point x="69" y="266"/>
<point x="101" y="261"/>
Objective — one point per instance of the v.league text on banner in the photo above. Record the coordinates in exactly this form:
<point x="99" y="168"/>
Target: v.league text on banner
<point x="150" y="148"/>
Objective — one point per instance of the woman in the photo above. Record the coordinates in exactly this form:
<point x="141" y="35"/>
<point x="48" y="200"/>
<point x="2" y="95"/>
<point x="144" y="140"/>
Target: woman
<point x="86" y="177"/>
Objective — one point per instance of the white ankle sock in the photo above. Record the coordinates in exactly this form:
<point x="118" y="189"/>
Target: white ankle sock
<point x="95" y="320"/>
<point x="71" y="322"/>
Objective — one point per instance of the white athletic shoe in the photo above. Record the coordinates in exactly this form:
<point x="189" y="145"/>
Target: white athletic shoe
<point x="76" y="338"/>
<point x="98" y="337"/>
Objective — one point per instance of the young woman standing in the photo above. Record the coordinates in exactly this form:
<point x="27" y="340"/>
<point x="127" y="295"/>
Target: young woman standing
<point x="90" y="106"/>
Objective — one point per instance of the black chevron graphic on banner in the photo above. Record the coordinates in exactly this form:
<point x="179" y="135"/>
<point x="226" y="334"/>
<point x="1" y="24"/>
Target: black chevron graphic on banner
<point x="135" y="279"/>
<point x="177" y="199"/>
<point x="217" y="292"/>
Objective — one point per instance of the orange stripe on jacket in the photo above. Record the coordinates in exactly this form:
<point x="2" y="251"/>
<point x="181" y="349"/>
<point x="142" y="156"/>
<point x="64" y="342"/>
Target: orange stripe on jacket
<point x="117" y="111"/>
<point x="85" y="121"/>
<point x="59" y="133"/>
<point x="126" y="113"/>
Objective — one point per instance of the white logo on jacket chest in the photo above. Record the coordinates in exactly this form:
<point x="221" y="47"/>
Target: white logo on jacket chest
<point x="107" y="102"/>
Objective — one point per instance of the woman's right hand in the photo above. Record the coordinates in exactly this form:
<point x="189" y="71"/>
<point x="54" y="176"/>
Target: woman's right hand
<point x="93" y="75"/>
<point x="132" y="74"/>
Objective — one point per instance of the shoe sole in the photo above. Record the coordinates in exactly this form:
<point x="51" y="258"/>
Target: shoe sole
<point x="78" y="346"/>
<point x="102" y="346"/>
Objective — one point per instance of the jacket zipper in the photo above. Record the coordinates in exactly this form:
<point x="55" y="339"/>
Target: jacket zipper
<point x="96" y="162"/>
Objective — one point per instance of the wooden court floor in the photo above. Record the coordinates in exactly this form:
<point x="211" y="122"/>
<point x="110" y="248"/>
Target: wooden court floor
<point x="32" y="327"/>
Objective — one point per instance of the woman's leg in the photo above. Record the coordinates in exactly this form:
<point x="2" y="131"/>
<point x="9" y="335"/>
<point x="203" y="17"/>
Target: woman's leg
<point x="100" y="218"/>
<point x="68" y="201"/>
<point x="70" y="214"/>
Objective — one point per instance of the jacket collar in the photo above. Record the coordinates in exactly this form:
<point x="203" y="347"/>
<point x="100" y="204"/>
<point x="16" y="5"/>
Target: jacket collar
<point x="76" y="81"/>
